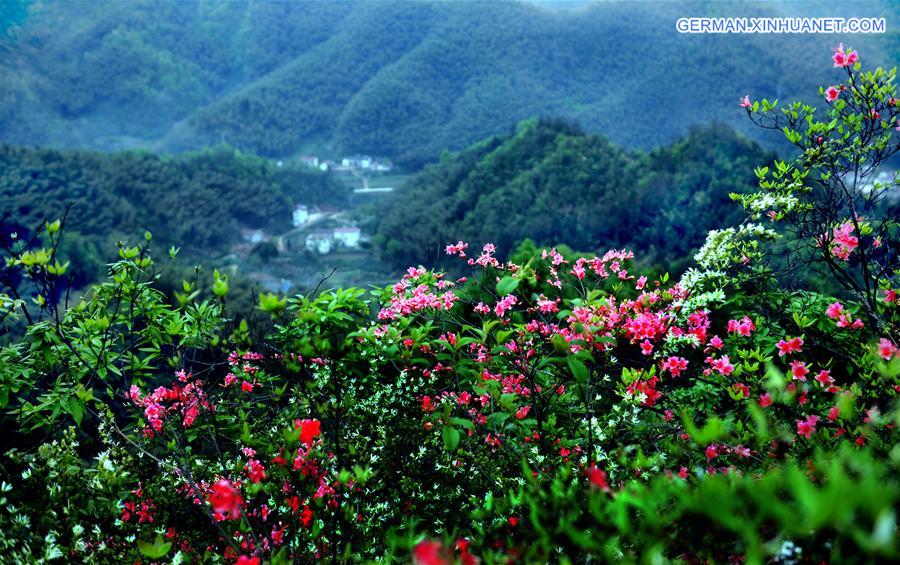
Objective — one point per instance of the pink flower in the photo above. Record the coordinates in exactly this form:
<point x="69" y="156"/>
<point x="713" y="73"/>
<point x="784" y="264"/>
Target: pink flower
<point x="765" y="400"/>
<point x="832" y="93"/>
<point x="843" y="242"/>
<point x="843" y="59"/>
<point x="247" y="386"/>
<point x="799" y="370"/>
<point x="743" y="327"/>
<point x="791" y="345"/>
<point x="886" y="349"/>
<point x="674" y="365"/>
<point x="155" y="414"/>
<point x="890" y="296"/>
<point x="745" y="102"/>
<point x="711" y="451"/>
<point x="522" y="412"/>
<point x="716" y="342"/>
<point x="459" y="249"/>
<point x="723" y="365"/>
<point x="641" y="282"/>
<point x="255" y="471"/>
<point x="834" y="310"/>
<point x="505" y="304"/>
<point x="807" y="427"/>
<point x="742" y="388"/>
<point x="824" y="378"/>
<point x="547" y="306"/>
<point x="646" y="347"/>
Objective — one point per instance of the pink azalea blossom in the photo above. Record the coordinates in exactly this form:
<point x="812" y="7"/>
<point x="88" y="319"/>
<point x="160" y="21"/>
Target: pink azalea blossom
<point x="675" y="365"/>
<point x="824" y="378"/>
<point x="723" y="365"/>
<point x="832" y="93"/>
<point x="745" y="102"/>
<point x="843" y="59"/>
<point x="799" y="370"/>
<point x="843" y="242"/>
<point x="807" y="427"/>
<point x="886" y="349"/>
<point x="790" y="345"/>
<point x="743" y="327"/>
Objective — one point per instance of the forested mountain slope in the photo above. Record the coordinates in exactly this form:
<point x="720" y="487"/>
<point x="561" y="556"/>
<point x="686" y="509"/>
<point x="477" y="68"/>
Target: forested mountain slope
<point x="402" y="79"/>
<point x="551" y="182"/>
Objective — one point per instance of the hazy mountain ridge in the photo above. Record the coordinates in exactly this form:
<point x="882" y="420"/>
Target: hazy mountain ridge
<point x="403" y="79"/>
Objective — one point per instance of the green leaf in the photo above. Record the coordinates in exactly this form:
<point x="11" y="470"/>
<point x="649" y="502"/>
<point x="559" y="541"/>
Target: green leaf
<point x="507" y="285"/>
<point x="451" y="438"/>
<point x="156" y="550"/>
<point x="579" y="369"/>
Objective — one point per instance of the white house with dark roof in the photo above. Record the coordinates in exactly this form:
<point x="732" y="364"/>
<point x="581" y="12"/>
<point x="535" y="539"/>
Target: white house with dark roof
<point x="347" y="236"/>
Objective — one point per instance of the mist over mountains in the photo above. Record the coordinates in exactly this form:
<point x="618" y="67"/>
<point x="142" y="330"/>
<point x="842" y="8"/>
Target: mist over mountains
<point x="407" y="80"/>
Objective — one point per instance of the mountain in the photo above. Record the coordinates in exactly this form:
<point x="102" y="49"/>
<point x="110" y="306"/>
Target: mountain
<point x="554" y="184"/>
<point x="407" y="80"/>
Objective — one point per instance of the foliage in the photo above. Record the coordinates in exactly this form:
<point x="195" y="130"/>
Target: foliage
<point x="547" y="182"/>
<point x="563" y="407"/>
<point x="116" y="196"/>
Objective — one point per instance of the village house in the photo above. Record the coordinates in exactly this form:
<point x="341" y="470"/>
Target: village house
<point x="319" y="242"/>
<point x="253" y="236"/>
<point x="300" y="215"/>
<point x="347" y="236"/>
<point x="310" y="161"/>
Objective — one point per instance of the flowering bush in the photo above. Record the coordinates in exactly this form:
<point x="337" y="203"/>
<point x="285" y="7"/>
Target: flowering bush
<point x="562" y="407"/>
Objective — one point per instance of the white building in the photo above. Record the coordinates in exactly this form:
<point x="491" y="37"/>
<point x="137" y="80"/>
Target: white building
<point x="310" y="161"/>
<point x="300" y="215"/>
<point x="347" y="236"/>
<point x="319" y="242"/>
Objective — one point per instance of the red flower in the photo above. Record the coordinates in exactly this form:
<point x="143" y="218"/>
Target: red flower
<point x="255" y="471"/>
<point x="428" y="552"/>
<point x="306" y="516"/>
<point x="244" y="560"/>
<point x="309" y="430"/>
<point x="226" y="500"/>
<point x="597" y="477"/>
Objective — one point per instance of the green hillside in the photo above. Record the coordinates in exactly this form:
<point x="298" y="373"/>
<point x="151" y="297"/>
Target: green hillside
<point x="199" y="201"/>
<point x="402" y="79"/>
<point x="552" y="183"/>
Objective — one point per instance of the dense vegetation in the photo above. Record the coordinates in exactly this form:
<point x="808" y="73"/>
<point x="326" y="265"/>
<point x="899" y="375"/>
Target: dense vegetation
<point x="553" y="184"/>
<point x="120" y="195"/>
<point x="402" y="79"/>
<point x="559" y="408"/>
